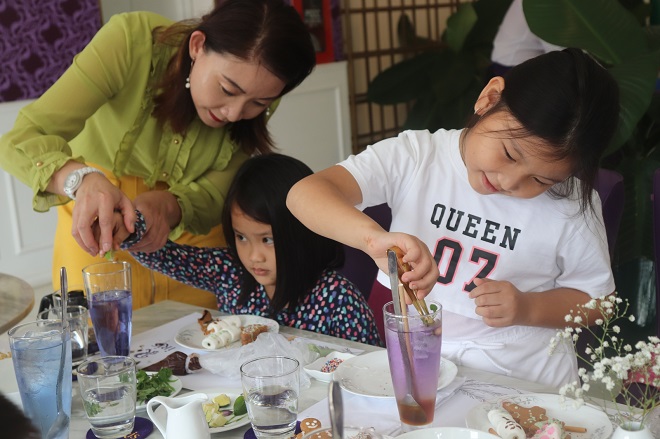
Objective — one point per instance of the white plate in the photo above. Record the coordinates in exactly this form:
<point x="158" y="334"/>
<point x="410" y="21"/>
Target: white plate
<point x="369" y="375"/>
<point x="175" y="382"/>
<point x="447" y="433"/>
<point x="314" y="369"/>
<point x="590" y="417"/>
<point x="160" y="412"/>
<point x="191" y="336"/>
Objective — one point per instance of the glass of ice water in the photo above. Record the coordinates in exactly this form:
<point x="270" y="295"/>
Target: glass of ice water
<point x="271" y="386"/>
<point x="36" y="349"/>
<point x="109" y="389"/>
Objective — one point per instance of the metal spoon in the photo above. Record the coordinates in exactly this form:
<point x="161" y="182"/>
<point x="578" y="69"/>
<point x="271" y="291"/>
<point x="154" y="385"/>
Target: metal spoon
<point x="336" y="410"/>
<point x="61" y="424"/>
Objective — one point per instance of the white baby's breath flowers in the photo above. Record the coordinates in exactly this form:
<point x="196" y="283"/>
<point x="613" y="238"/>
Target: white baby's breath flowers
<point x="614" y="364"/>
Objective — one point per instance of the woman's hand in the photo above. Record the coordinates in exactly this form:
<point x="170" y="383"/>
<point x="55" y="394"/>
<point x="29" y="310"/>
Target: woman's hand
<point x="97" y="200"/>
<point x="424" y="272"/>
<point x="161" y="213"/>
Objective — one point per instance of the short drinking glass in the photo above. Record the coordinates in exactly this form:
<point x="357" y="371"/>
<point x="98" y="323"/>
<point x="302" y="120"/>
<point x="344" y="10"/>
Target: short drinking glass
<point x="78" y="318"/>
<point x="413" y="348"/>
<point x="271" y="386"/>
<point x="36" y="350"/>
<point x="108" y="388"/>
<point x="108" y="290"/>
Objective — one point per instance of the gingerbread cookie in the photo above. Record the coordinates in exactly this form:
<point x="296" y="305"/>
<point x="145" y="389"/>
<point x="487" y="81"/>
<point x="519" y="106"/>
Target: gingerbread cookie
<point x="527" y="417"/>
<point x="308" y="425"/>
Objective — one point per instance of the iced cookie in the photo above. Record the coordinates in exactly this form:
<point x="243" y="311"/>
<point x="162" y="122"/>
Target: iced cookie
<point x="504" y="424"/>
<point x="527" y="417"/>
<point x="308" y="425"/>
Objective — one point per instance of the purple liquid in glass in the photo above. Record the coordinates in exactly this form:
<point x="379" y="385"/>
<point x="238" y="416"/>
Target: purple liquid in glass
<point x="111" y="313"/>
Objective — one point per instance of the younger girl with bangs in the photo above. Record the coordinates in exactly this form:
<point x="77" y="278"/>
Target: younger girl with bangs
<point x="274" y="266"/>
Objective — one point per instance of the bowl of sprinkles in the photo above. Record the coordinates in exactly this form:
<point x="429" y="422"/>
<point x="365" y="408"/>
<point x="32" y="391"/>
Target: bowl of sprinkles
<point x="323" y="368"/>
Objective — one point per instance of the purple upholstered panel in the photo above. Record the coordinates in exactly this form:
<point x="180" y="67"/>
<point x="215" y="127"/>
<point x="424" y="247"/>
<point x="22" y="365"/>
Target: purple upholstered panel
<point x="38" y="40"/>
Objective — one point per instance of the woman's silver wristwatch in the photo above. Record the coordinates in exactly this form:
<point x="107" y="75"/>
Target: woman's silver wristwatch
<point x="75" y="178"/>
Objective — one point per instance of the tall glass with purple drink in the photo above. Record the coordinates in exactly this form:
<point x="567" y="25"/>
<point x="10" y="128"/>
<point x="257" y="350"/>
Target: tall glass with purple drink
<point x="414" y="344"/>
<point x="108" y="290"/>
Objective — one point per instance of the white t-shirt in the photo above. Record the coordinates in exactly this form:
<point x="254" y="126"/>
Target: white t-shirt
<point x="537" y="244"/>
<point x="515" y="42"/>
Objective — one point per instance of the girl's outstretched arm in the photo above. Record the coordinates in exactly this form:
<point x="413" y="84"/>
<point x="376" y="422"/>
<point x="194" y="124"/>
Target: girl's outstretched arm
<point x="325" y="203"/>
<point x="206" y="268"/>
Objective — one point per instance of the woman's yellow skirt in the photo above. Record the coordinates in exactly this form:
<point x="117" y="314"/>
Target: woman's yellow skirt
<point x="148" y="286"/>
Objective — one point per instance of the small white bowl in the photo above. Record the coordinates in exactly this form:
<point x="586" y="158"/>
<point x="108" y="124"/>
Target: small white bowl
<point x="314" y="369"/>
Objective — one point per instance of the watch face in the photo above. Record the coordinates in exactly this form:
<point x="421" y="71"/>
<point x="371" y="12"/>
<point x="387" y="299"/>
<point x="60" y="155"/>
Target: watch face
<point x="72" y="180"/>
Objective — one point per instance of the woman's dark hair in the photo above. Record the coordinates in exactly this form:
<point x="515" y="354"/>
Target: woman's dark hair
<point x="259" y="189"/>
<point x="570" y="102"/>
<point x="268" y="31"/>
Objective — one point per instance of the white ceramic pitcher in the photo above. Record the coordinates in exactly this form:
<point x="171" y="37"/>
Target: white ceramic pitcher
<point x="185" y="417"/>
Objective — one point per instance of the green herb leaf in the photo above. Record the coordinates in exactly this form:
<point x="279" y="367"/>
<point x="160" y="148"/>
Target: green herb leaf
<point x="239" y="406"/>
<point x="109" y="255"/>
<point x="157" y="384"/>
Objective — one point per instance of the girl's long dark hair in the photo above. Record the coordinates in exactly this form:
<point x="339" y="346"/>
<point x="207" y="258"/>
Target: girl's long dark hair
<point x="259" y="189"/>
<point x="269" y="31"/>
<point x="570" y="102"/>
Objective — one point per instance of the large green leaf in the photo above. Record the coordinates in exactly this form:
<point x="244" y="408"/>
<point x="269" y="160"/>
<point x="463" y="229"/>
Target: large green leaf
<point x="636" y="79"/>
<point x="452" y="76"/>
<point x="459" y="25"/>
<point x="404" y="81"/>
<point x="602" y="27"/>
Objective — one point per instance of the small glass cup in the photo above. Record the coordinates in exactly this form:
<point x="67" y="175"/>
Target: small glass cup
<point x="108" y="289"/>
<point x="108" y="388"/>
<point x="271" y="386"/>
<point x="414" y="344"/>
<point x="36" y="349"/>
<point x="78" y="318"/>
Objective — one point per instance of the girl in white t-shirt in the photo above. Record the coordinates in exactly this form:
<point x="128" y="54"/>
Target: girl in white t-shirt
<point x="492" y="217"/>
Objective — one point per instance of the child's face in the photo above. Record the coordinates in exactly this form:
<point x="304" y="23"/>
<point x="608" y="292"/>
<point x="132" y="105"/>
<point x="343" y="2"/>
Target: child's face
<point x="255" y="248"/>
<point x="227" y="89"/>
<point x="515" y="167"/>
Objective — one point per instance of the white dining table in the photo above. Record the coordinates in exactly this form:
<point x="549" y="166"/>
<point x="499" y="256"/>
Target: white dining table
<point x="164" y="312"/>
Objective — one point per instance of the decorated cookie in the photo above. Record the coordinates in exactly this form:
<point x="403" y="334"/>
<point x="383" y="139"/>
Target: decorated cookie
<point x="308" y="425"/>
<point x="527" y="417"/>
<point x="504" y="424"/>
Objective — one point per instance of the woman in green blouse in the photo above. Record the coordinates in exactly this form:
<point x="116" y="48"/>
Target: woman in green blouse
<point x="156" y="116"/>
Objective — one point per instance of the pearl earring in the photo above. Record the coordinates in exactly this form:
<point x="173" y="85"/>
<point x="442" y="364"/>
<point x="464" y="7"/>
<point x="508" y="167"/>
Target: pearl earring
<point x="268" y="112"/>
<point x="192" y="63"/>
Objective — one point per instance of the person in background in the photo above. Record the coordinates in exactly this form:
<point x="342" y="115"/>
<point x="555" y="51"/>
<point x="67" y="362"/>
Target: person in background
<point x="156" y="116"/>
<point x="274" y="266"/>
<point x="493" y="218"/>
<point x="515" y="42"/>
